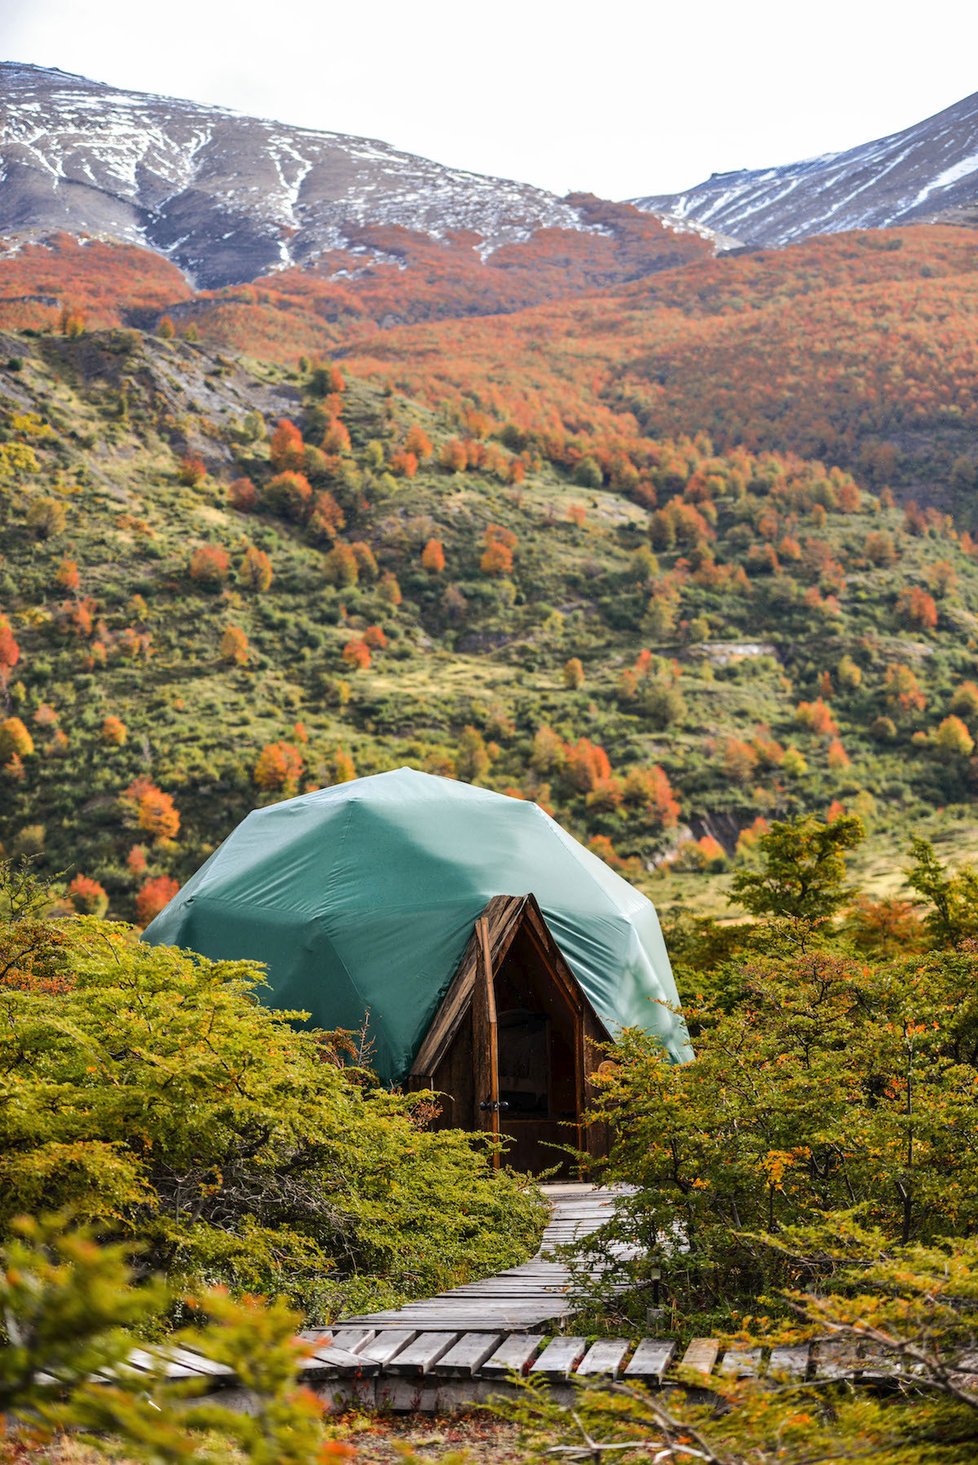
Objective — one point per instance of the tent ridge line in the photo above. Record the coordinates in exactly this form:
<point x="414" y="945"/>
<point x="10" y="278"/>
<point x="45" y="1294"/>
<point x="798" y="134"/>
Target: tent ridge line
<point x="505" y="915"/>
<point x="502" y="914"/>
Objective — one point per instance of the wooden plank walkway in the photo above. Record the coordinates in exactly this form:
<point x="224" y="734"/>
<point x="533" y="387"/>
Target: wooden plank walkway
<point x="522" y="1299"/>
<point x="440" y="1370"/>
<point x="460" y="1348"/>
<point x="654" y="1361"/>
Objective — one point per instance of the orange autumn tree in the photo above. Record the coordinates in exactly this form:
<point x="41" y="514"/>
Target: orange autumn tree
<point x="902" y="691"/>
<point x="336" y="438"/>
<point x="710" y="853"/>
<point x="68" y="577"/>
<point x="453" y="456"/>
<point x="586" y="765"/>
<point x="952" y="739"/>
<point x="279" y="768"/>
<point x="9" y="650"/>
<point x="433" y="557"/>
<point x="209" y="565"/>
<point x="242" y="495"/>
<point x="154" y="810"/>
<point x="836" y="755"/>
<point x="255" y="570"/>
<point x="114" y="731"/>
<point x="286" y="450"/>
<point x="916" y="608"/>
<point x="740" y="760"/>
<point x="87" y="896"/>
<point x="192" y="471"/>
<point x="356" y="654"/>
<point x="289" y="493"/>
<point x="817" y="718"/>
<point x="497" y="557"/>
<point x="153" y="896"/>
<point x="403" y="465"/>
<point x="419" y="443"/>
<point x="15" y="740"/>
<point x="326" y="518"/>
<point x="649" y="789"/>
<point x="390" y="589"/>
<point x="342" y="768"/>
<point x="234" y="646"/>
<point x="341" y="567"/>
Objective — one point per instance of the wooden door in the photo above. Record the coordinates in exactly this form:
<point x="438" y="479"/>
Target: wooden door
<point x="485" y="1038"/>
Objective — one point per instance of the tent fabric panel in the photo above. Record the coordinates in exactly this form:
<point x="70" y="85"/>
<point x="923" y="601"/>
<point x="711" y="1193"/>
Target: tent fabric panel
<point x="364" y="896"/>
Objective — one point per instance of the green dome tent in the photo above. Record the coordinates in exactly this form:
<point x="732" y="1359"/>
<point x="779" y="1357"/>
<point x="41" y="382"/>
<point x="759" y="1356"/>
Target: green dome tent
<point x="362" y="898"/>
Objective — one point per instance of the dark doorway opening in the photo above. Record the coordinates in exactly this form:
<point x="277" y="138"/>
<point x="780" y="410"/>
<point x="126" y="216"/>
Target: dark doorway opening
<point x="512" y="1045"/>
<point x="537" y="1055"/>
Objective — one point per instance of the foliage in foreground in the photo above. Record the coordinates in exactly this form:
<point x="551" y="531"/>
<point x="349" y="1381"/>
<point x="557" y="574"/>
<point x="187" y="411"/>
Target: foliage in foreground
<point x="153" y="1095"/>
<point x="68" y="1307"/>
<point x="908" y="1313"/>
<point x="829" y="1084"/>
<point x="811" y="1176"/>
<point x="832" y="1077"/>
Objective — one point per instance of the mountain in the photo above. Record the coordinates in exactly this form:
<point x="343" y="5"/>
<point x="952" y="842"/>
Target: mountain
<point x="229" y="198"/>
<point x="927" y="172"/>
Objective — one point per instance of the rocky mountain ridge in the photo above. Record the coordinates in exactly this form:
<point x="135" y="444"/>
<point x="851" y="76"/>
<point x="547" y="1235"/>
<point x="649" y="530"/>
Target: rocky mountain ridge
<point x="228" y="197"/>
<point x="927" y="172"/>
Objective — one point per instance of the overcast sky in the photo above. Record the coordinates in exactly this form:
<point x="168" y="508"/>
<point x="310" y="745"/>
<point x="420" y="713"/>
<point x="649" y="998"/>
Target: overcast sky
<point x="613" y="98"/>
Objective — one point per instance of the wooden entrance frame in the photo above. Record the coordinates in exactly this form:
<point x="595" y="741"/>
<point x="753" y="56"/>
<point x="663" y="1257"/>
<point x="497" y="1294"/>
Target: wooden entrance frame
<point x="459" y="1055"/>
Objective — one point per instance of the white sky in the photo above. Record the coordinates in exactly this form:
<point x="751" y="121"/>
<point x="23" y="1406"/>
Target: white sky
<point x="612" y="98"/>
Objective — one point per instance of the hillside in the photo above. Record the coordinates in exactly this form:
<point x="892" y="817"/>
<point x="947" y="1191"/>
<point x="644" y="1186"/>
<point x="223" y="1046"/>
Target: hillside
<point x="927" y="171"/>
<point x="861" y="349"/>
<point x="191" y="627"/>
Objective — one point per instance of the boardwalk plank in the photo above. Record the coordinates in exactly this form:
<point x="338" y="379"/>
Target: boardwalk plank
<point x="341" y="1360"/>
<point x="421" y="1355"/>
<point x="791" y="1361"/>
<point x="605" y="1357"/>
<point x="353" y="1339"/>
<point x="189" y="1358"/>
<point x="651" y="1359"/>
<point x="834" y="1359"/>
<point x="741" y="1363"/>
<point x="560" y="1358"/>
<point x="467" y="1356"/>
<point x="387" y="1344"/>
<point x="145" y="1362"/>
<point x="701" y="1354"/>
<point x="514" y="1355"/>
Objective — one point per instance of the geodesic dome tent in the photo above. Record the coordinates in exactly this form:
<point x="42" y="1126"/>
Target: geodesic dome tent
<point x="363" y="898"/>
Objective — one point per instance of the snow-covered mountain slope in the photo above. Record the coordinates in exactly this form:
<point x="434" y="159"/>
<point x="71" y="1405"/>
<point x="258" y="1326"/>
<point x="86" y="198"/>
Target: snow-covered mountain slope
<point x="927" y="171"/>
<point x="227" y="197"/>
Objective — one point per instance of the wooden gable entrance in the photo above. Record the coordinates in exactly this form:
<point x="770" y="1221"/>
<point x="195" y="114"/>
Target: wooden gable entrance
<point x="511" y="1048"/>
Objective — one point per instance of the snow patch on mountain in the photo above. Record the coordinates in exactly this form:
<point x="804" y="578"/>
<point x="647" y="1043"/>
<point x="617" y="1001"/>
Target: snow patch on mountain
<point x="225" y="196"/>
<point x="911" y="175"/>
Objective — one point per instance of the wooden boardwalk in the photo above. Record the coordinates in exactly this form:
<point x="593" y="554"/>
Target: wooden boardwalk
<point x="535" y="1295"/>
<point x="439" y="1371"/>
<point x="462" y="1347"/>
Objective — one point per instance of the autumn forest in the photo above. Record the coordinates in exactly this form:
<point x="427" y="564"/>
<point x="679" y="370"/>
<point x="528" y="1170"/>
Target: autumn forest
<point x="673" y="556"/>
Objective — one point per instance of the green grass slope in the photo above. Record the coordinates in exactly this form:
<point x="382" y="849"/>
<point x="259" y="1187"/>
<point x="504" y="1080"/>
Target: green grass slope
<point x="641" y="672"/>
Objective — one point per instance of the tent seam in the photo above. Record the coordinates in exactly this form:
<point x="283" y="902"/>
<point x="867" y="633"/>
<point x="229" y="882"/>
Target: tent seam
<point x="322" y="920"/>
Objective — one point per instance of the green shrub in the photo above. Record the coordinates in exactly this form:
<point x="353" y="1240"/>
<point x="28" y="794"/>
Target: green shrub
<point x="152" y="1093"/>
